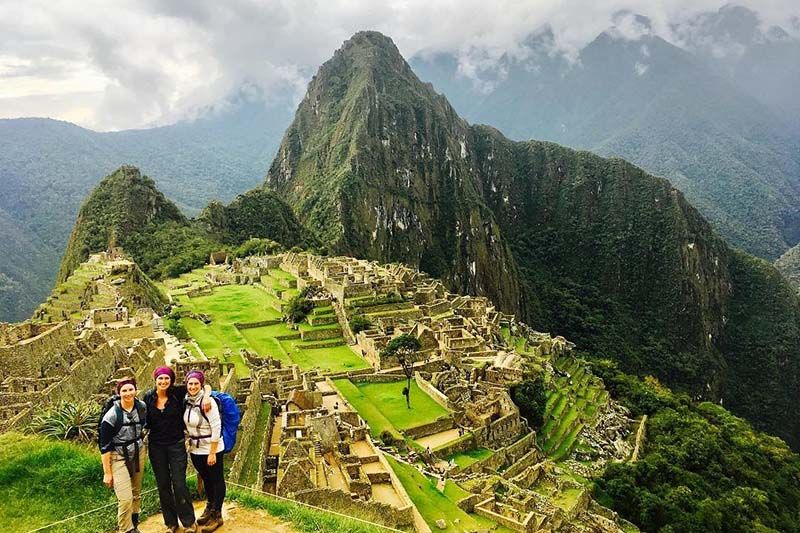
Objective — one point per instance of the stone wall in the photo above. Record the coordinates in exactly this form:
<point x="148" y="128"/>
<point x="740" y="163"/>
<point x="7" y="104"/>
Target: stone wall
<point x="262" y="323"/>
<point x="371" y="510"/>
<point x="320" y="334"/>
<point x="432" y="391"/>
<point x="31" y="357"/>
<point x="441" y="424"/>
<point x="129" y="334"/>
<point x="462" y="444"/>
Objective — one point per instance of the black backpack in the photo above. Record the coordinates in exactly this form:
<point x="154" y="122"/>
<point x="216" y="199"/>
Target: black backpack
<point x="114" y="403"/>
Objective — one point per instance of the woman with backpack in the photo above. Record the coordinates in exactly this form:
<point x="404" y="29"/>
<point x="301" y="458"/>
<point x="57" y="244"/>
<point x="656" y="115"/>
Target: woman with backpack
<point x="167" y="448"/>
<point x="122" y="449"/>
<point x="206" y="448"/>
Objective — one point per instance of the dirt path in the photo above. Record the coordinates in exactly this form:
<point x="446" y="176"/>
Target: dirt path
<point x="237" y="519"/>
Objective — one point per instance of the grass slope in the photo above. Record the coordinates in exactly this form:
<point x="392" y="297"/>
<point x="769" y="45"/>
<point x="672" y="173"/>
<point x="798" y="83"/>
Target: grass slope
<point x="383" y="405"/>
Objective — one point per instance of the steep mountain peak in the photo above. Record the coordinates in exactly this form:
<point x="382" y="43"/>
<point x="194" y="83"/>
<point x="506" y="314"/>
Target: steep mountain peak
<point x="123" y="203"/>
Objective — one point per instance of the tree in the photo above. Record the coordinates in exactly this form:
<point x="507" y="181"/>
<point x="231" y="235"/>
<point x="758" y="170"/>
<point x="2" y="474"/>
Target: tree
<point x="531" y="398"/>
<point x="360" y="323"/>
<point x="404" y="348"/>
<point x="297" y="309"/>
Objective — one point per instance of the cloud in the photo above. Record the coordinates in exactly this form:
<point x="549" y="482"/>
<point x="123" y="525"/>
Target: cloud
<point x="131" y="63"/>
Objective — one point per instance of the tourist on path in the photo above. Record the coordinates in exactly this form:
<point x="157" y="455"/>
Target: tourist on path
<point x="205" y="448"/>
<point x="167" y="447"/>
<point x="123" y="453"/>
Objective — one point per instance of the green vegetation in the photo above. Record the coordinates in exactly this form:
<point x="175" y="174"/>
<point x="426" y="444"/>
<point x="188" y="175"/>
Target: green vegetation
<point x="43" y="481"/>
<point x="296" y="309"/>
<point x="531" y="398"/>
<point x="126" y="209"/>
<point x="360" y="323"/>
<point x="434" y="505"/>
<point x="573" y="401"/>
<point x="464" y="459"/>
<point x="703" y="469"/>
<point x="252" y="461"/>
<point x="68" y="421"/>
<point x="382" y="405"/>
<point x="302" y="518"/>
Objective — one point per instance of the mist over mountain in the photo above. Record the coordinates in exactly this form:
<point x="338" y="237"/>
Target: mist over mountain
<point x="48" y="167"/>
<point x="715" y="132"/>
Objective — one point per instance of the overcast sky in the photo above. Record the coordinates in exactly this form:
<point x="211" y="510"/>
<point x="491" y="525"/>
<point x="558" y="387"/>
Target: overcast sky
<point x="116" y="64"/>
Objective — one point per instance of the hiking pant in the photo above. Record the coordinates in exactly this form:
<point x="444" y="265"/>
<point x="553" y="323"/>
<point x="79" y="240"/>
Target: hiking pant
<point x="128" y="489"/>
<point x="213" y="479"/>
<point x="169" y="467"/>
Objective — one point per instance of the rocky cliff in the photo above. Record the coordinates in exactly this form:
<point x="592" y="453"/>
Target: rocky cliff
<point x="377" y="165"/>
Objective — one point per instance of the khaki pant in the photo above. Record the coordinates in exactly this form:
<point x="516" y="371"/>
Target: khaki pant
<point x="128" y="489"/>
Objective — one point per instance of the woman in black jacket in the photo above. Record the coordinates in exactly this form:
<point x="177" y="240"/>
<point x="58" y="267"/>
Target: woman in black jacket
<point x="167" y="447"/>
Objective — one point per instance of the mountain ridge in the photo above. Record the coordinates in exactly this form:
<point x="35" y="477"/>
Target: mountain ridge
<point x="596" y="249"/>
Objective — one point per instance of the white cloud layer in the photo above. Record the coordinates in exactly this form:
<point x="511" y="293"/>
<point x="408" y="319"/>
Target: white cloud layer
<point x="124" y="64"/>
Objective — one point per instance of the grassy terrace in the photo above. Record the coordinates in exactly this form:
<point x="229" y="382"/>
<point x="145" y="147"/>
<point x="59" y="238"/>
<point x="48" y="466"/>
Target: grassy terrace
<point x="253" y="458"/>
<point x="231" y="304"/>
<point x="383" y="405"/>
<point x="226" y="305"/>
<point x="572" y="402"/>
<point x="434" y="505"/>
<point x="469" y="457"/>
<point x="44" y="481"/>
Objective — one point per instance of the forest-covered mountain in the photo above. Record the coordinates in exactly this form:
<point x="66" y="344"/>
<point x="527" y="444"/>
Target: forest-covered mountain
<point x="377" y="165"/>
<point x="127" y="210"/>
<point x="48" y="167"/>
<point x="721" y="127"/>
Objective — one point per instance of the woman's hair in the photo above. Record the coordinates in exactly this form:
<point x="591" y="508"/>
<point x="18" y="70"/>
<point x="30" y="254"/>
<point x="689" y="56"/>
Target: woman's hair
<point x="196" y="374"/>
<point x="165" y="371"/>
<point x="124" y="381"/>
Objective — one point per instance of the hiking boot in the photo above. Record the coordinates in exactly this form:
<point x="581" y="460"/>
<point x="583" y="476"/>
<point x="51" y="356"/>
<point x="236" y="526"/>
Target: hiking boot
<point x="190" y="529"/>
<point x="206" y="516"/>
<point x="213" y="523"/>
<point x="171" y="529"/>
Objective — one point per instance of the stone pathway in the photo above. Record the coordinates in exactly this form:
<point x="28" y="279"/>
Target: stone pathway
<point x="237" y="519"/>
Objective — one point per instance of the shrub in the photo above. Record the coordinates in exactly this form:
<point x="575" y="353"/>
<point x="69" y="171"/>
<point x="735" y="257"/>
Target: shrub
<point x="297" y="309"/>
<point x="531" y="398"/>
<point x="360" y="323"/>
<point x="69" y="421"/>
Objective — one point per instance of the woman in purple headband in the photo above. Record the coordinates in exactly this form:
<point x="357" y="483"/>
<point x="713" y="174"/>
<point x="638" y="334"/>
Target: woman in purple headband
<point x="167" y="448"/>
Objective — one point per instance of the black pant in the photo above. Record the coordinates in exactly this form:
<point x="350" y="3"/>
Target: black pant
<point x="213" y="479"/>
<point x="169" y="467"/>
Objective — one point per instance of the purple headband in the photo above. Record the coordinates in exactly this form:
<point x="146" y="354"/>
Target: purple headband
<point x="164" y="371"/>
<point x="122" y="382"/>
<point x="196" y="374"/>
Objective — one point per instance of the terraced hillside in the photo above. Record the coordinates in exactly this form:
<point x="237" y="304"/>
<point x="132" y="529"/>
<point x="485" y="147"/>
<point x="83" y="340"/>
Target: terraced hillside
<point x="223" y="320"/>
<point x="573" y="400"/>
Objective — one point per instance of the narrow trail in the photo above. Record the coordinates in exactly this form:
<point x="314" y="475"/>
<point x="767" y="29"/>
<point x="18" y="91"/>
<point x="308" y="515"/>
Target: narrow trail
<point x="237" y="519"/>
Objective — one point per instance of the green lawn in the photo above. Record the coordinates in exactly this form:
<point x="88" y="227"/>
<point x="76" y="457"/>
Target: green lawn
<point x="252" y="460"/>
<point x="434" y="505"/>
<point x="383" y="405"/>
<point x="43" y="481"/>
<point x="226" y="305"/>
<point x="244" y="303"/>
<point x="467" y="458"/>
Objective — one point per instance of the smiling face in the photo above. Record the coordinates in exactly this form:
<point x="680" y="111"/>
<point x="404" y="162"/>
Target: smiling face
<point x="193" y="386"/>
<point x="127" y="392"/>
<point x="163" y="382"/>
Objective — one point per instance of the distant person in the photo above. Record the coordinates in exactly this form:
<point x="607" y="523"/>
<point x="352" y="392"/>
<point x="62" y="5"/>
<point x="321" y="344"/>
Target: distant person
<point x="123" y="454"/>
<point x="206" y="448"/>
<point x="167" y="447"/>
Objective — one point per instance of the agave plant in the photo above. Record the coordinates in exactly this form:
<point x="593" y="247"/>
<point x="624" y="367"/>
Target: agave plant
<point x="68" y="421"/>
